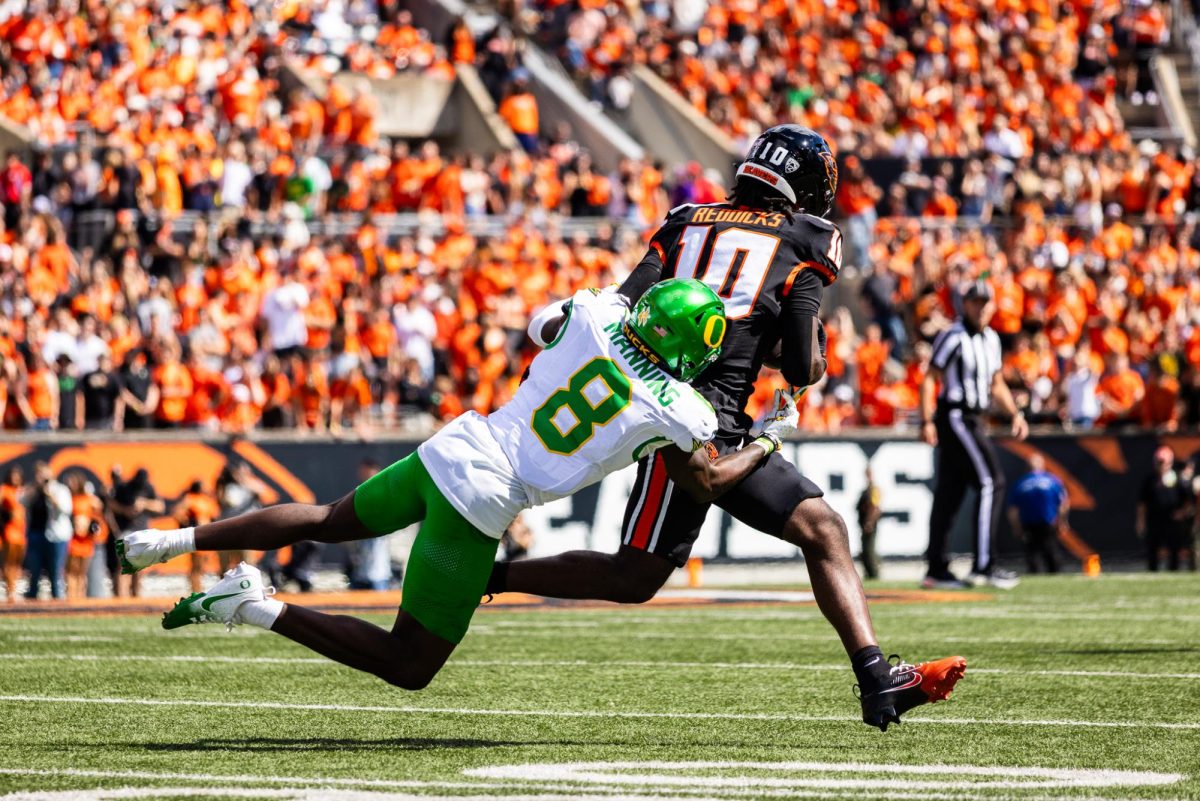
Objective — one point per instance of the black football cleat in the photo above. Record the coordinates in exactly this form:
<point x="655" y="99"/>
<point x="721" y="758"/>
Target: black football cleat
<point x="908" y="686"/>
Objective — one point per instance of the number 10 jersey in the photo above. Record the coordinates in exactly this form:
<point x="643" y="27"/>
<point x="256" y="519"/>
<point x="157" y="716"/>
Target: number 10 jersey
<point x="592" y="404"/>
<point x="761" y="263"/>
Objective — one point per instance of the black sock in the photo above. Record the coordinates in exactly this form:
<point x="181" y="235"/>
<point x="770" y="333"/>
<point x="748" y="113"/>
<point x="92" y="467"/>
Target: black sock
<point x="869" y="666"/>
<point x="498" y="581"/>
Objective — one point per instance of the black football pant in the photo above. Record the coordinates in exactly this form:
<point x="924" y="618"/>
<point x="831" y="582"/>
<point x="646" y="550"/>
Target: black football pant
<point x="965" y="458"/>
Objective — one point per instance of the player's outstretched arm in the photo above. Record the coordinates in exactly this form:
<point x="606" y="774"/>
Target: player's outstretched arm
<point x="706" y="476"/>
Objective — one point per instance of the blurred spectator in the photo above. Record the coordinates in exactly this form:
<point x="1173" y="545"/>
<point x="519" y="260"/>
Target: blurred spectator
<point x="175" y="388"/>
<point x="48" y="532"/>
<point x="70" y="395"/>
<point x="277" y="388"/>
<point x="870" y="510"/>
<point x="139" y="393"/>
<point x="1147" y="23"/>
<point x="1160" y="406"/>
<point x="39" y="402"/>
<point x="1082" y="391"/>
<point x="1164" y="506"/>
<point x="520" y="110"/>
<point x="349" y="401"/>
<point x="12" y="529"/>
<point x="1121" y="391"/>
<point x="1038" y="508"/>
<point x="132" y="503"/>
<point x="283" y="311"/>
<point x="857" y="197"/>
<point x="196" y="508"/>
<point x="239" y="491"/>
<point x="88" y="529"/>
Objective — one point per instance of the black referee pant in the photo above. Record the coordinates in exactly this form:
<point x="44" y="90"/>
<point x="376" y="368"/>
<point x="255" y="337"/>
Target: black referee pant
<point x="965" y="458"/>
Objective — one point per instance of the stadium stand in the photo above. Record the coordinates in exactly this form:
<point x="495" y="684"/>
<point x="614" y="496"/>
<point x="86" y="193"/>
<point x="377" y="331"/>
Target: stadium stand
<point x="913" y="79"/>
<point x="191" y="248"/>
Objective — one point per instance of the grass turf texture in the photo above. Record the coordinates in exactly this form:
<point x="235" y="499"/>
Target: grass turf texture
<point x="781" y="664"/>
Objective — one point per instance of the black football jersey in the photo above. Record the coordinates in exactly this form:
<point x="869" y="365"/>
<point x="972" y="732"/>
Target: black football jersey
<point x="755" y="261"/>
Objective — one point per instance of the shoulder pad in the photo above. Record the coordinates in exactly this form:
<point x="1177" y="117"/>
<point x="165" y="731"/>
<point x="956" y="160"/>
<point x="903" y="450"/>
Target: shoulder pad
<point x="816" y="222"/>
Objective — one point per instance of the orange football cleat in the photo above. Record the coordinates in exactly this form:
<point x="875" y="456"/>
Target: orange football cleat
<point x="908" y="686"/>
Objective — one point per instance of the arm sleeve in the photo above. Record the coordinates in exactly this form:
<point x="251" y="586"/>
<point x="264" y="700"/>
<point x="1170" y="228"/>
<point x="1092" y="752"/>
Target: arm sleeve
<point x="800" y="307"/>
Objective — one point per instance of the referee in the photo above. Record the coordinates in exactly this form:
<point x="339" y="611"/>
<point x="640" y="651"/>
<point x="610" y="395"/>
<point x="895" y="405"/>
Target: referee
<point x="966" y="359"/>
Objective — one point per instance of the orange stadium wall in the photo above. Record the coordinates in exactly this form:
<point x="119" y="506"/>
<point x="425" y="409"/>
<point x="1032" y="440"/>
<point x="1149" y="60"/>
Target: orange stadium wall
<point x="1103" y="474"/>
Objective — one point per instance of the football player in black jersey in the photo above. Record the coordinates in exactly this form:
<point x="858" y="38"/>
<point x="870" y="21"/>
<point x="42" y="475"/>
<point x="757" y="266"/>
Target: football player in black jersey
<point x="768" y="252"/>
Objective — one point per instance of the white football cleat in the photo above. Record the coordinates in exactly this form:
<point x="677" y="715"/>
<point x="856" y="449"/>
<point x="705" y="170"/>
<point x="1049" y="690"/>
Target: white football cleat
<point x="143" y="548"/>
<point x="220" y="603"/>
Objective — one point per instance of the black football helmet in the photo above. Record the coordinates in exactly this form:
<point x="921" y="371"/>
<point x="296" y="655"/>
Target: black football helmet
<point x="797" y="163"/>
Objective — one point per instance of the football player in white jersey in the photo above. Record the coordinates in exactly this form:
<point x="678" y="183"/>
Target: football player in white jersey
<point x="608" y="388"/>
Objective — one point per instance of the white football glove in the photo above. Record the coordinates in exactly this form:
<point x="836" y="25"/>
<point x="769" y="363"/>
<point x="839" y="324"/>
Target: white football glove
<point x="781" y="421"/>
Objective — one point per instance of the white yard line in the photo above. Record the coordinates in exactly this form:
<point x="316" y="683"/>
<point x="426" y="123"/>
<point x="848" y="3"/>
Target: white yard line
<point x="582" y="713"/>
<point x="758" y="774"/>
<point x="64" y="638"/>
<point x="569" y="663"/>
<point x="302" y="781"/>
<point x="549" y="629"/>
<point x="548" y="787"/>
<point x="703" y="636"/>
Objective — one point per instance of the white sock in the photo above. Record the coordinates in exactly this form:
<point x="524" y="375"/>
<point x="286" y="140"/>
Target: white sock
<point x="261" y="613"/>
<point x="180" y="541"/>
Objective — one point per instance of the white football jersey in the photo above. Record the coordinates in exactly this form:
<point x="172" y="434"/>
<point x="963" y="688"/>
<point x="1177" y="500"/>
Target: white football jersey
<point x="592" y="404"/>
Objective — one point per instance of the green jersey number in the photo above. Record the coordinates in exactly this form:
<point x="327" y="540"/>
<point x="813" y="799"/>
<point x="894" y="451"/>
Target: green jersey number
<point x="596" y="393"/>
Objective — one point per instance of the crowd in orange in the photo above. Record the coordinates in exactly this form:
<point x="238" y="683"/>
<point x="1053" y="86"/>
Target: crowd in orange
<point x="320" y="335"/>
<point x="931" y="77"/>
<point x="242" y="317"/>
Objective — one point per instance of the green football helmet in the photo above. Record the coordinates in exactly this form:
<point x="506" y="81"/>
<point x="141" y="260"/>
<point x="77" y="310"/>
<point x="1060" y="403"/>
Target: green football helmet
<point x="679" y="324"/>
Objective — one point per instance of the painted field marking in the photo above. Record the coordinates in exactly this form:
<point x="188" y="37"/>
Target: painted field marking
<point x="829" y="638"/>
<point x="814" y="775"/>
<point x="594" y="793"/>
<point x="319" y="789"/>
<point x="600" y="787"/>
<point x="1004" y="613"/>
<point x="548" y="631"/>
<point x="940" y="610"/>
<point x="567" y="663"/>
<point x="64" y="638"/>
<point x="241" y="778"/>
<point x="326" y="794"/>
<point x="554" y="630"/>
<point x="582" y="713"/>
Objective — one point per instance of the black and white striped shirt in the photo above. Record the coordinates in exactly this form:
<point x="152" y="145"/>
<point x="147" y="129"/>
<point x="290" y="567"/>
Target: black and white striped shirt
<point x="968" y="362"/>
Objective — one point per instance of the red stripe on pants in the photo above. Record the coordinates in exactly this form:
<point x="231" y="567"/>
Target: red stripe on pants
<point x="650" y="510"/>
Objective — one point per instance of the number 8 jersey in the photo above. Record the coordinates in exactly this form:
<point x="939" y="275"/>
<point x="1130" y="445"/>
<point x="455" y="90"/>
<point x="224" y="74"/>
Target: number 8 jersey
<point x="592" y="404"/>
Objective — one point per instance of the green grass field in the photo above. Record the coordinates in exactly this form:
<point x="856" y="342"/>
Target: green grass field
<point x="1076" y="688"/>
